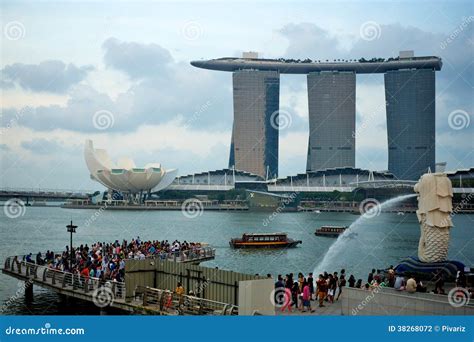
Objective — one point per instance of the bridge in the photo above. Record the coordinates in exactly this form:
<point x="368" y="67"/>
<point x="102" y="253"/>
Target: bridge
<point x="43" y="194"/>
<point x="146" y="300"/>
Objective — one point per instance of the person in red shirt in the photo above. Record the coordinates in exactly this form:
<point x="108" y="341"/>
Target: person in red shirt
<point x="85" y="274"/>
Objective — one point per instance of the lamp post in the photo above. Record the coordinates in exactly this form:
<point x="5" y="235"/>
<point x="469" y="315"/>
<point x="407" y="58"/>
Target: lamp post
<point x="71" y="229"/>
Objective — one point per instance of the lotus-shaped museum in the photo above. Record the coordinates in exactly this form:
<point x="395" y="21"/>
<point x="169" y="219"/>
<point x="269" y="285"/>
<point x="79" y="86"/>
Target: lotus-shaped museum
<point x="124" y="176"/>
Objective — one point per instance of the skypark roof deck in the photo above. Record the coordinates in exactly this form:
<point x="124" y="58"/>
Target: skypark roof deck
<point x="290" y="66"/>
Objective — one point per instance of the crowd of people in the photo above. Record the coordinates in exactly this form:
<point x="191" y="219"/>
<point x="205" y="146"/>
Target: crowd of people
<point x="300" y="292"/>
<point x="107" y="260"/>
<point x="327" y="287"/>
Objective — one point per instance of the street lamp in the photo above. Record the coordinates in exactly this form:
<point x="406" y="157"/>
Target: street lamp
<point x="71" y="229"/>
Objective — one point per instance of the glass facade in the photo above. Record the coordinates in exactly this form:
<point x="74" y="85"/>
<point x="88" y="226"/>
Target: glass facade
<point x="331" y="101"/>
<point x="410" y="105"/>
<point x="254" y="145"/>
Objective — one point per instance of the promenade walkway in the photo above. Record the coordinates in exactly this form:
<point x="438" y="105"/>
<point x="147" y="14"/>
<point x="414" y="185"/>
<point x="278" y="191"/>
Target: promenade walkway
<point x="105" y="293"/>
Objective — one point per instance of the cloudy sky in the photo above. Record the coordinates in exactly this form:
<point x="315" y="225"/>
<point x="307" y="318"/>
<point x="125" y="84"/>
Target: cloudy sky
<point x="119" y="73"/>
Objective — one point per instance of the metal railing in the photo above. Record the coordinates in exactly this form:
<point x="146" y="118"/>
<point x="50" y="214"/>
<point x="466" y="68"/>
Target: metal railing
<point x="185" y="255"/>
<point x="173" y="303"/>
<point x="65" y="280"/>
<point x="45" y="190"/>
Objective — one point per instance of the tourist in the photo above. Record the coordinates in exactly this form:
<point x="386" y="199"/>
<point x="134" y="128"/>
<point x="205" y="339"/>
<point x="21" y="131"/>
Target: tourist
<point x="411" y="285"/>
<point x="279" y="283"/>
<point x="287" y="301"/>
<point x="420" y="287"/>
<point x="332" y="282"/>
<point x="311" y="286"/>
<point x="85" y="275"/>
<point x="461" y="279"/>
<point x="28" y="258"/>
<point x="321" y="287"/>
<point x="378" y="277"/>
<point x="294" y="294"/>
<point x="342" y="283"/>
<point x="300" y="281"/>
<point x="399" y="284"/>
<point x="391" y="276"/>
<point x="329" y="293"/>
<point x="180" y="292"/>
<point x="371" y="276"/>
<point x="306" y="297"/>
<point x="439" y="284"/>
<point x="358" y="284"/>
<point x="351" y="280"/>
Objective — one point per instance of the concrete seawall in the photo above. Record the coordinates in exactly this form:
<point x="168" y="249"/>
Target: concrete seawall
<point x="387" y="301"/>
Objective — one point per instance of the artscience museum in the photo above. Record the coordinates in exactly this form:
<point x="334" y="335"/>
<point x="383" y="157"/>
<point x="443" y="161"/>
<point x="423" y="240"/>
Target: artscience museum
<point x="124" y="176"/>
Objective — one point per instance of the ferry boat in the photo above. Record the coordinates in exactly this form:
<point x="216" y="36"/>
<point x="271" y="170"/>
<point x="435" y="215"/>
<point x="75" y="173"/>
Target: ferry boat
<point x="332" y="231"/>
<point x="264" y="240"/>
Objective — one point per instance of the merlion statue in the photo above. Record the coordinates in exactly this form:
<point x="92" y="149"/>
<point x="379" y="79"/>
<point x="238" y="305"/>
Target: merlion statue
<point x="434" y="214"/>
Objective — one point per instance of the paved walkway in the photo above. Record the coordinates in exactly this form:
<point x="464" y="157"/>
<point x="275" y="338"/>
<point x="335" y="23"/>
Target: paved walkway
<point x="334" y="309"/>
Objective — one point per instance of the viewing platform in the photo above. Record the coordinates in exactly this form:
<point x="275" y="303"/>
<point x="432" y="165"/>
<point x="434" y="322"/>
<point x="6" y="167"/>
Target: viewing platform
<point x="105" y="293"/>
<point x="291" y="66"/>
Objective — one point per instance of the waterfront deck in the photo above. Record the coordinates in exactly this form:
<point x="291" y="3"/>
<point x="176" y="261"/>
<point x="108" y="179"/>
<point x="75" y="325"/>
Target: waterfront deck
<point x="146" y="300"/>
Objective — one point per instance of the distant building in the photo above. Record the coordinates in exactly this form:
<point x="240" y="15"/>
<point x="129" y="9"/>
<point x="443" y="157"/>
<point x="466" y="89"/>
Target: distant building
<point x="254" y="145"/>
<point x="410" y="106"/>
<point x="250" y="55"/>
<point x="124" y="176"/>
<point x="410" y="103"/>
<point x="331" y="100"/>
<point x="462" y="178"/>
<point x="406" y="54"/>
<point x="215" y="180"/>
<point x="440" y="167"/>
<point x="330" y="178"/>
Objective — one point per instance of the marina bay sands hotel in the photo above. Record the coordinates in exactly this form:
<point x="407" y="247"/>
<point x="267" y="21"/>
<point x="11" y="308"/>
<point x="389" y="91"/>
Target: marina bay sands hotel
<point x="410" y="111"/>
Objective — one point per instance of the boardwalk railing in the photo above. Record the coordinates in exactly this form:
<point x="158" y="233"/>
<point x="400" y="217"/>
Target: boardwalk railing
<point x="172" y="303"/>
<point x="190" y="255"/>
<point x="45" y="275"/>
